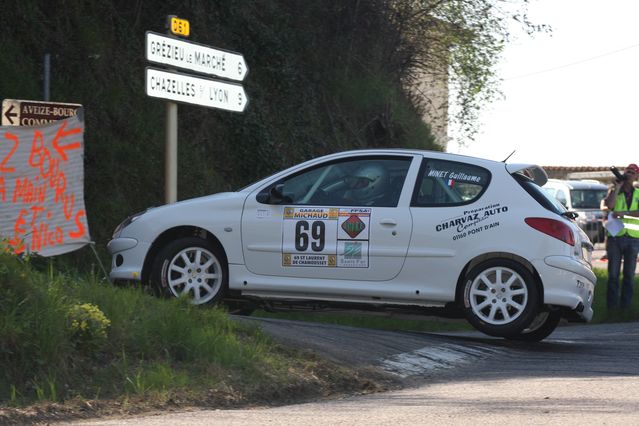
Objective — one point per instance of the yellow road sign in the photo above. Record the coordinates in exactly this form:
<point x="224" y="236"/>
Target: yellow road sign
<point x="180" y="27"/>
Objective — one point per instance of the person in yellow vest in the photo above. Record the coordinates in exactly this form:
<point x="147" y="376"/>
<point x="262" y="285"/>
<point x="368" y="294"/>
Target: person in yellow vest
<point x="623" y="200"/>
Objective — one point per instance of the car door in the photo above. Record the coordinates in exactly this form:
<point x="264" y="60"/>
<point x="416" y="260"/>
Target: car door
<point x="448" y="212"/>
<point x="345" y="219"/>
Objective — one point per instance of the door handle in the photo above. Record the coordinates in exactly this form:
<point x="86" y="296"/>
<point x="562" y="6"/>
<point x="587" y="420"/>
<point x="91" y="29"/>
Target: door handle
<point x="389" y="222"/>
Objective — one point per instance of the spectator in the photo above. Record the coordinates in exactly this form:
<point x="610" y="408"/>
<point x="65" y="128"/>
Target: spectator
<point x="623" y="200"/>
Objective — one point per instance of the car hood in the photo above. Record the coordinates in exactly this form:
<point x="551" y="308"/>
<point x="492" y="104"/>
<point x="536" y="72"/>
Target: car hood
<point x="220" y="198"/>
<point x="208" y="212"/>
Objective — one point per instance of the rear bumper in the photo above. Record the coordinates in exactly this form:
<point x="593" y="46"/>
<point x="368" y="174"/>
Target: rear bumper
<point x="569" y="283"/>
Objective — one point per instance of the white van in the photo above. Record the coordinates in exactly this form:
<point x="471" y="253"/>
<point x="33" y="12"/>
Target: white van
<point x="584" y="198"/>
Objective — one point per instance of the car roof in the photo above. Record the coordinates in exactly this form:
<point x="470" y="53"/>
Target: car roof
<point x="533" y="171"/>
<point x="434" y="154"/>
<point x="576" y="184"/>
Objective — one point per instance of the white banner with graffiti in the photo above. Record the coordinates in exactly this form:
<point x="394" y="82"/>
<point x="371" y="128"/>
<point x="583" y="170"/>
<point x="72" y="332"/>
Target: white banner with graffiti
<point x="42" y="187"/>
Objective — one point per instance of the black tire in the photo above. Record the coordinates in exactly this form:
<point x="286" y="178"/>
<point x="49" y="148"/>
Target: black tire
<point x="541" y="327"/>
<point x="191" y="267"/>
<point x="500" y="297"/>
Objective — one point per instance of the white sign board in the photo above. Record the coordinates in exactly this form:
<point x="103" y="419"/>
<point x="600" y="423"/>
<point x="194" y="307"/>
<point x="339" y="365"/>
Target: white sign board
<point x="193" y="90"/>
<point x="196" y="57"/>
<point x="42" y="188"/>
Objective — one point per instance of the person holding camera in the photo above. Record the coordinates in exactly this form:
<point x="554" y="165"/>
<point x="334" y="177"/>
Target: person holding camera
<point x="623" y="201"/>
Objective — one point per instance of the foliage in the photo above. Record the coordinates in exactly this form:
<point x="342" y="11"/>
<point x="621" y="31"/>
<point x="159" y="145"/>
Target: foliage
<point x="88" y="325"/>
<point x="63" y="337"/>
<point x="324" y="77"/>
<point x="458" y="40"/>
<point x="601" y="312"/>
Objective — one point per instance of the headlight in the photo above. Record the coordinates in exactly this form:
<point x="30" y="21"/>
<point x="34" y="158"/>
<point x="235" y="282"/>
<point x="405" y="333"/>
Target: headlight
<point x="126" y="222"/>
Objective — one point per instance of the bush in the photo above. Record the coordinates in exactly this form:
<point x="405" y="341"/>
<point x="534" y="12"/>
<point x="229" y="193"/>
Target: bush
<point x="88" y="326"/>
<point x="63" y="336"/>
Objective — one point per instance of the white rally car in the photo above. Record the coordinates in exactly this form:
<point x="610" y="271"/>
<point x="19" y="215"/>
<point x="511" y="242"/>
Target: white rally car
<point x="385" y="229"/>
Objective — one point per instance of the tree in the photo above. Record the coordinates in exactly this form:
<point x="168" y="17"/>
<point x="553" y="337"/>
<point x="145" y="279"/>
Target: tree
<point x="461" y="41"/>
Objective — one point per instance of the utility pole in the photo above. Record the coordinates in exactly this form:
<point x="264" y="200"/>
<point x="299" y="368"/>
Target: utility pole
<point x="46" y="90"/>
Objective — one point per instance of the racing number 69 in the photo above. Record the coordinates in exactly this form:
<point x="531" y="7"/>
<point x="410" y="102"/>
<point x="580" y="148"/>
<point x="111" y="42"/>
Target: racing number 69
<point x="302" y="235"/>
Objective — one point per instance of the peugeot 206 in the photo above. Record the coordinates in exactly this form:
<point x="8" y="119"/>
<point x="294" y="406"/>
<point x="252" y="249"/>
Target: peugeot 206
<point x="410" y="230"/>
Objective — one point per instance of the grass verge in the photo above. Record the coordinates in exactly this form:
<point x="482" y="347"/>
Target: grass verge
<point x="76" y="347"/>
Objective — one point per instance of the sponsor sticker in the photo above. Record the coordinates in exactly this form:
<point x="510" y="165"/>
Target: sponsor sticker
<point x="473" y="221"/>
<point x="325" y="237"/>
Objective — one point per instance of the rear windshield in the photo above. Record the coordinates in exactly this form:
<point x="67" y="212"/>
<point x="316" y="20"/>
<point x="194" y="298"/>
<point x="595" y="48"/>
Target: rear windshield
<point x="544" y="198"/>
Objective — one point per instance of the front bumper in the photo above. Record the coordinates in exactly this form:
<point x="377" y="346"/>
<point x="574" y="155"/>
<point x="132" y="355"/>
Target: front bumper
<point x="127" y="258"/>
<point x="569" y="283"/>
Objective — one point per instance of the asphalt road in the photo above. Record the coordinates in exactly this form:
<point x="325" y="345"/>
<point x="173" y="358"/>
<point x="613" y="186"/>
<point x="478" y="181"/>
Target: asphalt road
<point x="586" y="374"/>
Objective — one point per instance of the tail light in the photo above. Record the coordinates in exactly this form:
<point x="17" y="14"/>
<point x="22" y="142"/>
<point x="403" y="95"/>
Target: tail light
<point x="552" y="227"/>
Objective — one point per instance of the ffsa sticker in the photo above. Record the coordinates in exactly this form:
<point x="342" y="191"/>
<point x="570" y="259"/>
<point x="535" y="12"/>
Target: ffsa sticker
<point x="326" y="237"/>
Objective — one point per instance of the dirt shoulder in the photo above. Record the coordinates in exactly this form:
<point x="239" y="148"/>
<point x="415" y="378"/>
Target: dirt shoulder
<point x="314" y="378"/>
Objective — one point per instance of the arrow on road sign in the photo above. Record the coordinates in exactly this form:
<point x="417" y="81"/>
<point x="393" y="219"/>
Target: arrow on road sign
<point x="34" y="113"/>
<point x="10" y="115"/>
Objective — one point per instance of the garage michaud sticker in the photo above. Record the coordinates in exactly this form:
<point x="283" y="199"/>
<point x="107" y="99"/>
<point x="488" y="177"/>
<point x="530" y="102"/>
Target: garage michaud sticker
<point x="326" y="237"/>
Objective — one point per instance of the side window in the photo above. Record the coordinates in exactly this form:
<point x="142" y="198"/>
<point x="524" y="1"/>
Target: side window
<point x="363" y="181"/>
<point x="446" y="183"/>
<point x="561" y="197"/>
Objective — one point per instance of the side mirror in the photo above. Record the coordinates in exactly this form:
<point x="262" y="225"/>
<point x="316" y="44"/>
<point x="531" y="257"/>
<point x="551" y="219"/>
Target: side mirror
<point x="277" y="194"/>
<point x="262" y="197"/>
<point x="274" y="196"/>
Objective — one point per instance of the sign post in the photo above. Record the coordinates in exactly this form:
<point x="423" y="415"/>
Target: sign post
<point x="175" y="87"/>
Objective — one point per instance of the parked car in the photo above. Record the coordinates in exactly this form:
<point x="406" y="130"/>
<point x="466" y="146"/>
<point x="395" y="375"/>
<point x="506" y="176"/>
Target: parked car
<point x="414" y="230"/>
<point x="584" y="198"/>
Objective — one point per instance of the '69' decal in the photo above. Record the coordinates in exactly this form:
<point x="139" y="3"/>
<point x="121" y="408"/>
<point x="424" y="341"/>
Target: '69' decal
<point x="326" y="237"/>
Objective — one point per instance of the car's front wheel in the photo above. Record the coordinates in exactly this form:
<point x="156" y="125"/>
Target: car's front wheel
<point x="500" y="297"/>
<point x="191" y="267"/>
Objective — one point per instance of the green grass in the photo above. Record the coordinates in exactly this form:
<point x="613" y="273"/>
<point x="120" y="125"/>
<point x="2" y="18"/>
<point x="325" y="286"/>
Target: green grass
<point x="121" y="342"/>
<point x="379" y="321"/>
<point x="601" y="312"/>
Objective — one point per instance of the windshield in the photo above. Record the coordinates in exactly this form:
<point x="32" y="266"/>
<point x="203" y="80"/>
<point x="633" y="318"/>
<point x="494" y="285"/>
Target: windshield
<point x="587" y="198"/>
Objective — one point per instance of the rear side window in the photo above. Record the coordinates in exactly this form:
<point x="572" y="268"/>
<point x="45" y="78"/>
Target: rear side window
<point x="449" y="183"/>
<point x="543" y="197"/>
<point x="561" y="197"/>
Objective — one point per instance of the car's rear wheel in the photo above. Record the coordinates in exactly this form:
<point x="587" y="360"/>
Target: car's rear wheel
<point x="500" y="297"/>
<point x="541" y="327"/>
<point x="191" y="267"/>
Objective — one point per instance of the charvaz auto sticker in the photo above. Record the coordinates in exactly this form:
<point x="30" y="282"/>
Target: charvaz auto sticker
<point x="472" y="222"/>
<point x="326" y="237"/>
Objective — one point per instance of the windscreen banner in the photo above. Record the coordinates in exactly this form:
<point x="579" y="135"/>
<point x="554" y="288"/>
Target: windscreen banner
<point x="42" y="188"/>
